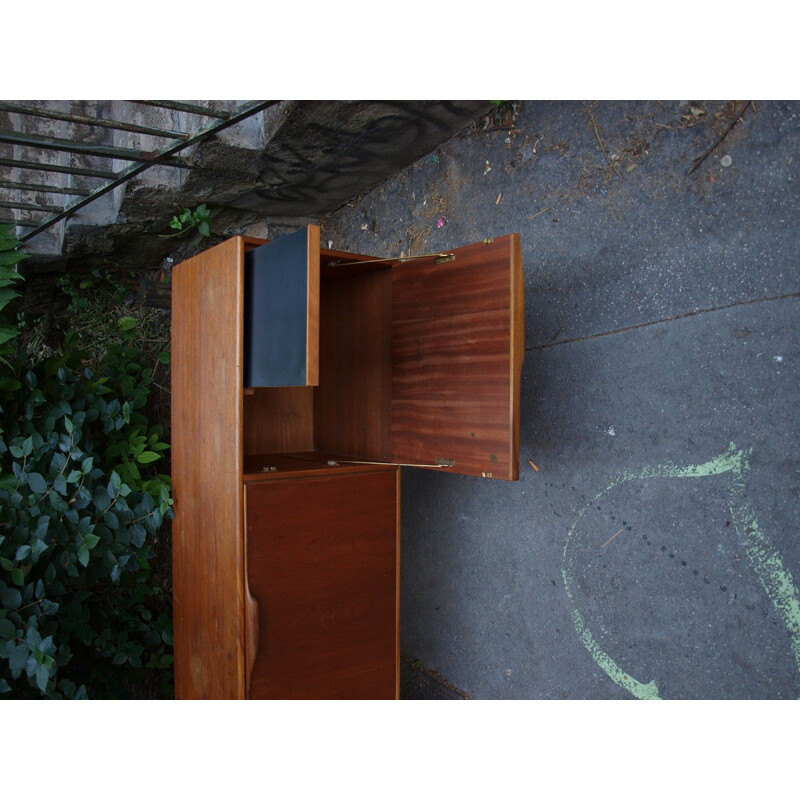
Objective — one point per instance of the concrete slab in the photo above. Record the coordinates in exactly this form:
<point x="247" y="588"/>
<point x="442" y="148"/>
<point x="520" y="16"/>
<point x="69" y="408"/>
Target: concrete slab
<point x="656" y="551"/>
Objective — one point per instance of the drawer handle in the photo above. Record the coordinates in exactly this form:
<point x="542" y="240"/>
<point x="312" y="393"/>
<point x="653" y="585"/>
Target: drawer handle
<point x="252" y="629"/>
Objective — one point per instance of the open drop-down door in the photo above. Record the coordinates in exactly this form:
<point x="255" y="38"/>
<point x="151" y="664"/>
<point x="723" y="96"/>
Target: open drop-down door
<point x="457" y="349"/>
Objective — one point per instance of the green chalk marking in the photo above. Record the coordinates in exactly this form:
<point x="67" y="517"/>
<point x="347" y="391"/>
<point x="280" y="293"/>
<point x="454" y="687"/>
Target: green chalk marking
<point x="769" y="568"/>
<point x="765" y="561"/>
<point x="642" y="691"/>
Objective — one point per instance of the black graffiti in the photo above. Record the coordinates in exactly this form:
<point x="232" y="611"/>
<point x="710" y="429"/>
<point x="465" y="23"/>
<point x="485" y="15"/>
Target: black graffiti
<point x="314" y="163"/>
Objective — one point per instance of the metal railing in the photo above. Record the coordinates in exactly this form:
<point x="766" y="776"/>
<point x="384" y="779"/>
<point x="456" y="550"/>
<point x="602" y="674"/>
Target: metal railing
<point x="36" y="144"/>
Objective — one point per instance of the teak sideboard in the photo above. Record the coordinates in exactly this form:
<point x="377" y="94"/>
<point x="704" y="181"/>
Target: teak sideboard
<point x="302" y="380"/>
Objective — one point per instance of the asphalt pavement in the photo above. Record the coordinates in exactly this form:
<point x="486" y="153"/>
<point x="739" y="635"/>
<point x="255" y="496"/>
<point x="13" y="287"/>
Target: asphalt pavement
<point x="651" y="548"/>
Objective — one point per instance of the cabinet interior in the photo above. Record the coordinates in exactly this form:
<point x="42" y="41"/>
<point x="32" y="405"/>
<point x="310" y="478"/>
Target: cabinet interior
<point x="348" y="414"/>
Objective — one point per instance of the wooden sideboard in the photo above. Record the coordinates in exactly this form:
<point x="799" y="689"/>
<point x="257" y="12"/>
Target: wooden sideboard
<point x="286" y="539"/>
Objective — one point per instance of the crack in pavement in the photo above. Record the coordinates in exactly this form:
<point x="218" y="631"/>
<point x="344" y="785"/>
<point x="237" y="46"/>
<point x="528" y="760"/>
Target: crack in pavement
<point x="694" y="313"/>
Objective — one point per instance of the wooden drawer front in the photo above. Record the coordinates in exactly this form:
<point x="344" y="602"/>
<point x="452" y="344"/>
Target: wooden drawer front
<point x="322" y="566"/>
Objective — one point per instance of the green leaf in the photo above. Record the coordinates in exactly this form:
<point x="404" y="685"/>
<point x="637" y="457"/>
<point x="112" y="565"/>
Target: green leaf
<point x="147" y="457"/>
<point x="7" y="295"/>
<point x="37" y="548"/>
<point x="9" y="385"/>
<point x="164" y="357"/>
<point x="83" y="555"/>
<point x="204" y="229"/>
<point x="57" y="503"/>
<point x="33" y="638"/>
<point x="9" y="258"/>
<point x="7" y="333"/>
<point x="91" y="540"/>
<point x="7" y="629"/>
<point x="127" y="323"/>
<point x="42" y="677"/>
<point x="100" y="498"/>
<point x="138" y="535"/>
<point x="37" y="483"/>
<point x="17" y="657"/>
<point x="10" y="597"/>
<point x="68" y="424"/>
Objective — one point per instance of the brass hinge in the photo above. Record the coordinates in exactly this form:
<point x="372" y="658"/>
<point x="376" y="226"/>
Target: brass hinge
<point x="440" y="259"/>
<point x="440" y="462"/>
<point x="488" y="240"/>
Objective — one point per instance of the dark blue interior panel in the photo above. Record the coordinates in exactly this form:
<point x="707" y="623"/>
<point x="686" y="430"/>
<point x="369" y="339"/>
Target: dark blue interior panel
<point x="276" y="312"/>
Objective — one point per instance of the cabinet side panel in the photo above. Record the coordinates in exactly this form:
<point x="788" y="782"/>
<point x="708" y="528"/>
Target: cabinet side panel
<point x="322" y="565"/>
<point x="207" y="310"/>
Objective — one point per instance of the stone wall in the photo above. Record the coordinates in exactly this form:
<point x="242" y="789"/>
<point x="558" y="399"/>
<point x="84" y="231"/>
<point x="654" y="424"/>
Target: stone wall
<point x="287" y="165"/>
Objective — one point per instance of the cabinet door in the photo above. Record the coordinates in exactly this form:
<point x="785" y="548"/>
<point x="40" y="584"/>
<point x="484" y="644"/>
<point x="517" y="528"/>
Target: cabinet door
<point x="457" y="350"/>
<point x="281" y="314"/>
<point x="322" y="566"/>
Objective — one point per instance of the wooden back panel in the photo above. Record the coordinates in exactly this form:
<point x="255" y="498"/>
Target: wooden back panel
<point x="457" y="349"/>
<point x="207" y="351"/>
<point x="279" y="419"/>
<point x="352" y="404"/>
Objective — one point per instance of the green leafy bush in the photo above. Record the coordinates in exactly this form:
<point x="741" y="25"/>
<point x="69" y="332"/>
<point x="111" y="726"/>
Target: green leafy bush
<point x="81" y="506"/>
<point x="9" y="258"/>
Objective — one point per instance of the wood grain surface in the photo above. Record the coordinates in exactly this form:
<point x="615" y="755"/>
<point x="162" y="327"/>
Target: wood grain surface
<point x="417" y="362"/>
<point x="279" y="419"/>
<point x="312" y="317"/>
<point x="323" y="568"/>
<point x="457" y="347"/>
<point x="352" y="404"/>
<point x="208" y="566"/>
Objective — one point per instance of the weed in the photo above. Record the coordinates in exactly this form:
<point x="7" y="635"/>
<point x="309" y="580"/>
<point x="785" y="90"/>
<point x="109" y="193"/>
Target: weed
<point x="189" y="219"/>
